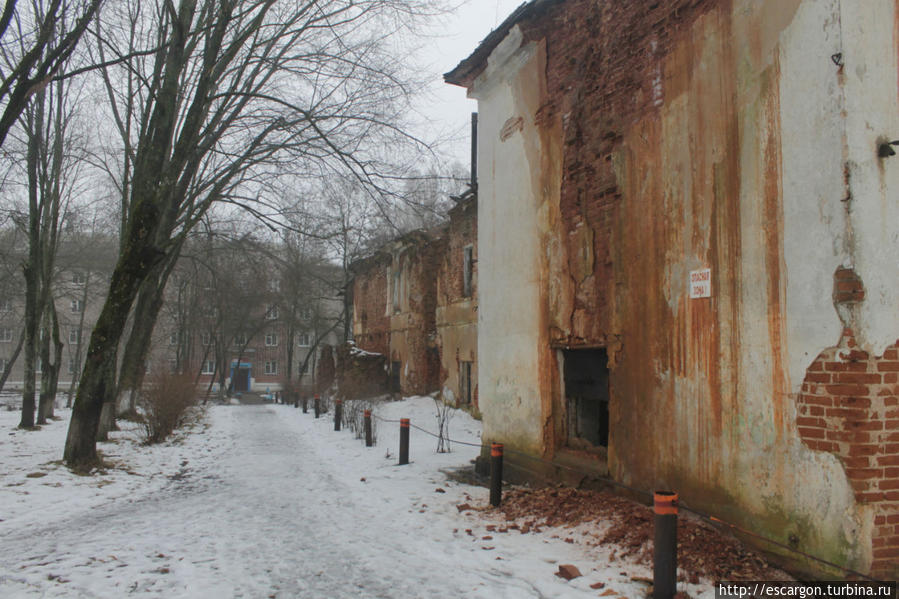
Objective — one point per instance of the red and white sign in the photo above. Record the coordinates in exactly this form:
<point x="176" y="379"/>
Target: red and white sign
<point x="701" y="283"/>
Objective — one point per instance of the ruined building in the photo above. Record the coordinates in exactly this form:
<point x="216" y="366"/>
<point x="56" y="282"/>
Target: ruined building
<point x="415" y="303"/>
<point x="687" y="237"/>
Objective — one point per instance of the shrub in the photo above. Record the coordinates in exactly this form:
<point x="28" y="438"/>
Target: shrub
<point x="164" y="402"/>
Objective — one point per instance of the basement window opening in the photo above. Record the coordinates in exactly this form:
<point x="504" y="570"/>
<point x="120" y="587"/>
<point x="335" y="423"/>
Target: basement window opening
<point x="586" y="376"/>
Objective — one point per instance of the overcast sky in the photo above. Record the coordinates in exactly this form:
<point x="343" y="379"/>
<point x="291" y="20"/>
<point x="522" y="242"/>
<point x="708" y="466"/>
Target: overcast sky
<point x="456" y="36"/>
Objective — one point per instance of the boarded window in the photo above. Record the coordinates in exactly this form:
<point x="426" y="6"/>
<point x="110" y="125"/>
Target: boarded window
<point x="586" y="373"/>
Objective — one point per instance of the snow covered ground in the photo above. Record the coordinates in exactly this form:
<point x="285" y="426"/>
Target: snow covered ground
<point x="265" y="501"/>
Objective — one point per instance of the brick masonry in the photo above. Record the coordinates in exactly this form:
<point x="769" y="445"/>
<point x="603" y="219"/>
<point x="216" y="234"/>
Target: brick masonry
<point x="457" y="316"/>
<point x="371" y="323"/>
<point x="407" y="333"/>
<point x="849" y="406"/>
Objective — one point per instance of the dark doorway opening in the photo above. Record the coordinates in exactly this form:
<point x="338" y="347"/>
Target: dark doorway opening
<point x="586" y="373"/>
<point x="241" y="379"/>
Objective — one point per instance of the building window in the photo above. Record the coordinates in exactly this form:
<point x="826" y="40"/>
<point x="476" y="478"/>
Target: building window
<point x="271" y="339"/>
<point x="77" y="305"/>
<point x="465" y="385"/>
<point x="208" y="367"/>
<point x="271" y="367"/>
<point x="306" y="313"/>
<point x="173" y="366"/>
<point x="5" y="335"/>
<point x="272" y="313"/>
<point x="5" y="305"/>
<point x="75" y="336"/>
<point x="274" y="285"/>
<point x="78" y="278"/>
<point x="467" y="269"/>
<point x="586" y="376"/>
<point x="72" y="366"/>
<point x="306" y="367"/>
<point x="174" y="338"/>
<point x="240" y="339"/>
<point x="206" y="338"/>
<point x="38" y="366"/>
<point x="3" y="364"/>
<point x="304" y="339"/>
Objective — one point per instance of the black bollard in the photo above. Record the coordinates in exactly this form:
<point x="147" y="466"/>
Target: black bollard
<point x="496" y="474"/>
<point x="404" y="441"/>
<point x="664" y="572"/>
<point x="305" y="401"/>
<point x="338" y="413"/>
<point x="318" y="405"/>
<point x="367" y="423"/>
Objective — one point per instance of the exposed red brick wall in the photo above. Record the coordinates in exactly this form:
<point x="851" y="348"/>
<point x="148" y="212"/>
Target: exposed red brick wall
<point x="603" y="72"/>
<point x="360" y="374"/>
<point x="849" y="406"/>
<point x="370" y="304"/>
<point x="414" y="327"/>
<point x="462" y="231"/>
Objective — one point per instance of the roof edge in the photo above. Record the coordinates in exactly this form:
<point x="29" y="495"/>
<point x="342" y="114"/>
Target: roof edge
<point x="465" y="72"/>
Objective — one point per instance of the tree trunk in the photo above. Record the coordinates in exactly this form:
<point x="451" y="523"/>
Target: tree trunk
<point x="46" y="368"/>
<point x="150" y="299"/>
<point x="32" y="266"/>
<point x="79" y="346"/>
<point x="50" y="369"/>
<point x="12" y="360"/>
<point x="107" y="412"/>
<point x="137" y="259"/>
<point x="53" y="382"/>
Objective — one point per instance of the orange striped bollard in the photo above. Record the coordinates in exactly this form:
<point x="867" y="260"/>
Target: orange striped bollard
<point x="496" y="474"/>
<point x="664" y="573"/>
<point x="404" y="441"/>
<point x="367" y="424"/>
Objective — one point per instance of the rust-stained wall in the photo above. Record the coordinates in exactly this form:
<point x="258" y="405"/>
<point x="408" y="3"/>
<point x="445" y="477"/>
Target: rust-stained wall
<point x="456" y="312"/>
<point x="624" y="145"/>
<point x="404" y="331"/>
<point x="371" y="322"/>
<point x="413" y="330"/>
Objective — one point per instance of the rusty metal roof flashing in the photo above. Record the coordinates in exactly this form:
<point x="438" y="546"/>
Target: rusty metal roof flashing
<point x="468" y="69"/>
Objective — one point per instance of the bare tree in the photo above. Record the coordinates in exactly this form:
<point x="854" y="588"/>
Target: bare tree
<point x="51" y="167"/>
<point x="235" y="91"/>
<point x="35" y="46"/>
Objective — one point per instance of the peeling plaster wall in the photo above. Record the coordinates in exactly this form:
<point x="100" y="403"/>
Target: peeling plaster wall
<point x="677" y="136"/>
<point x="457" y="314"/>
<point x="511" y="329"/>
<point x="870" y="36"/>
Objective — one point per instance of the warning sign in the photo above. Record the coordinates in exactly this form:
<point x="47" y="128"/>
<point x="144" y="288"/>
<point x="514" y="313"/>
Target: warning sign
<point x="701" y="283"/>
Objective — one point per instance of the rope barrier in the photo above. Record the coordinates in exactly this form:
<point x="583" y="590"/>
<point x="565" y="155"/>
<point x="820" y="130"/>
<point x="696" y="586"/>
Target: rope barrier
<point x="427" y="432"/>
<point x="640" y="492"/>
